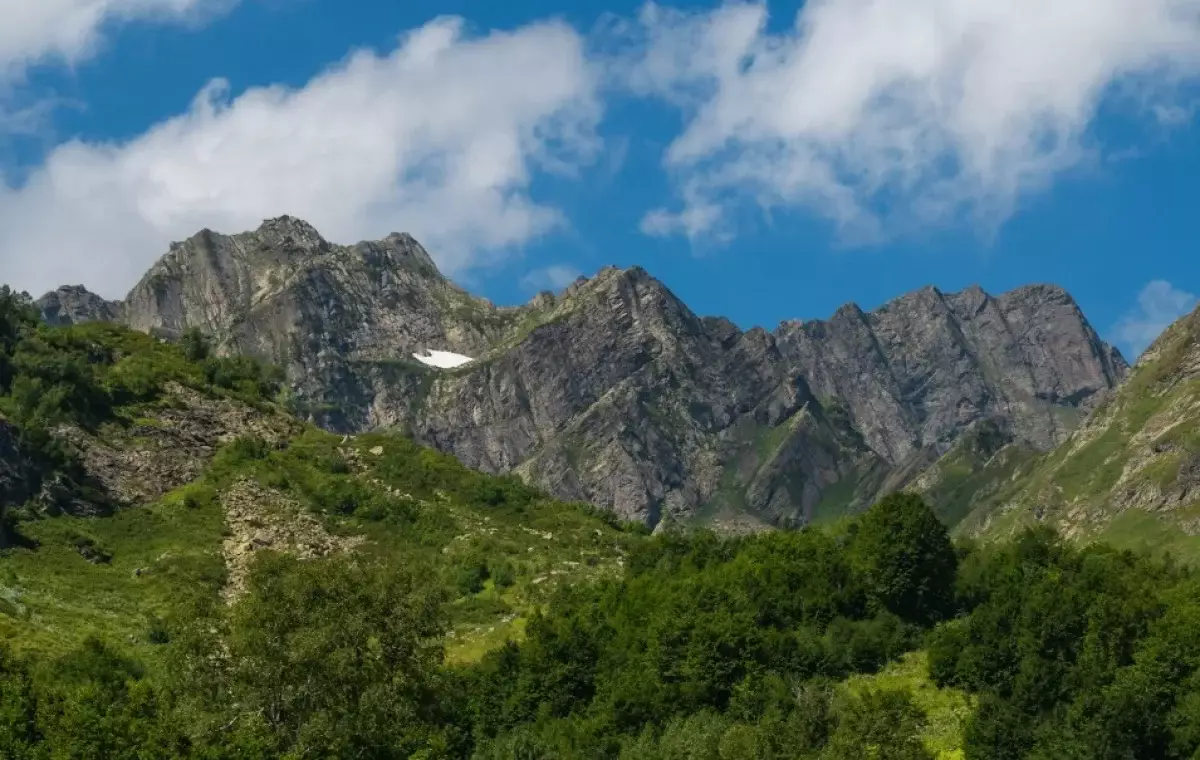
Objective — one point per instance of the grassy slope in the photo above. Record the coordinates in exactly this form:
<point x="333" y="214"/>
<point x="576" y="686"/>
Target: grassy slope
<point x="61" y="597"/>
<point x="1121" y="477"/>
<point x="407" y="501"/>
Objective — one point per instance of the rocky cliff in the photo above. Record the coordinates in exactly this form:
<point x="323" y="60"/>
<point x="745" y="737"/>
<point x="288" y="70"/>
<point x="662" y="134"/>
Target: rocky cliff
<point x="1130" y="474"/>
<point x="613" y="391"/>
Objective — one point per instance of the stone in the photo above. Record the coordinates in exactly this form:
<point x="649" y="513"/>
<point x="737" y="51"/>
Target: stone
<point x="613" y="391"/>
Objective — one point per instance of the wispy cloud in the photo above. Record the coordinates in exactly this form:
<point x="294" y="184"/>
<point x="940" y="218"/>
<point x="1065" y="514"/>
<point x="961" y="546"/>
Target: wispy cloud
<point x="68" y="31"/>
<point x="883" y="115"/>
<point x="439" y="137"/>
<point x="555" y="277"/>
<point x="889" y="116"/>
<point x="1159" y="304"/>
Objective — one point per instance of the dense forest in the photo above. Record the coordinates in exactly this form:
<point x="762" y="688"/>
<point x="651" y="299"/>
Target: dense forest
<point x="701" y="647"/>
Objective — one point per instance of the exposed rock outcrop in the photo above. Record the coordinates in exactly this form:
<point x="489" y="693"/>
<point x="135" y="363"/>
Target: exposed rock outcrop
<point x="75" y="304"/>
<point x="258" y="518"/>
<point x="1131" y="471"/>
<point x="613" y="391"/>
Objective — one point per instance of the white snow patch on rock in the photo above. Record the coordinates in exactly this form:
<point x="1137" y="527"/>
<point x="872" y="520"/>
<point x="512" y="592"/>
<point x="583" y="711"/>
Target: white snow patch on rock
<point x="442" y="359"/>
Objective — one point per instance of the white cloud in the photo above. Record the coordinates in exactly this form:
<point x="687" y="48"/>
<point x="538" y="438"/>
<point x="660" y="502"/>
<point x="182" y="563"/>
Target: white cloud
<point x="439" y="138"/>
<point x="554" y="277"/>
<point x="698" y="216"/>
<point x="887" y="114"/>
<point x="1158" y="306"/>
<point x="67" y="31"/>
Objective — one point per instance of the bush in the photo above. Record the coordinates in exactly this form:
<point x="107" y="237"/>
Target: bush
<point x="196" y="347"/>
<point x="470" y="575"/>
<point x="503" y="574"/>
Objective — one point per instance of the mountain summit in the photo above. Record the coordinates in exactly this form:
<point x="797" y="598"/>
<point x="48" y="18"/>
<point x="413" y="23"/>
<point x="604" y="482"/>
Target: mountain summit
<point x="613" y="391"/>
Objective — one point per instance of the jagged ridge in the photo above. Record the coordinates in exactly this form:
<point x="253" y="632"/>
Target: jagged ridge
<point x="613" y="391"/>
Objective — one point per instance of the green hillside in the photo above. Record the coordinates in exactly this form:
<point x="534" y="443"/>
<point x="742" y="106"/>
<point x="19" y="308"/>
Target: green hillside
<point x="1130" y="475"/>
<point x="194" y="465"/>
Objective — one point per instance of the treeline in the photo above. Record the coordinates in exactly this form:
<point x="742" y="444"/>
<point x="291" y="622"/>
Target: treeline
<point x="714" y="648"/>
<point x="708" y="648"/>
<point x="1074" y="653"/>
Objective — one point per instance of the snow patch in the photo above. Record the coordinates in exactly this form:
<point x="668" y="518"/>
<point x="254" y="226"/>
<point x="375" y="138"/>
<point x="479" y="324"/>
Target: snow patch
<point x="442" y="359"/>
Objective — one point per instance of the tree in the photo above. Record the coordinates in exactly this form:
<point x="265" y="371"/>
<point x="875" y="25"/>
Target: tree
<point x="195" y="345"/>
<point x="998" y="730"/>
<point x="95" y="703"/>
<point x="18" y="318"/>
<point x="339" y="657"/>
<point x="906" y="558"/>
<point x="883" y="724"/>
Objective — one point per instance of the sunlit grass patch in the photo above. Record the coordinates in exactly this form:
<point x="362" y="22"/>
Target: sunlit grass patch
<point x="946" y="710"/>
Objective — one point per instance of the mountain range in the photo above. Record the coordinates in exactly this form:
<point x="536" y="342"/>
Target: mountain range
<point x="615" y="393"/>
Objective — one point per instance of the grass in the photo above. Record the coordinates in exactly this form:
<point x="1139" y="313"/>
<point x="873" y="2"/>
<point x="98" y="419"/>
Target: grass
<point x="835" y="502"/>
<point x="1082" y="476"/>
<point x="412" y="502"/>
<point x="1151" y="534"/>
<point x="946" y="710"/>
<point x="470" y="644"/>
<point x="412" y="505"/>
<point x="66" y="598"/>
<point x="1164" y="471"/>
<point x="967" y="485"/>
<point x="1095" y="467"/>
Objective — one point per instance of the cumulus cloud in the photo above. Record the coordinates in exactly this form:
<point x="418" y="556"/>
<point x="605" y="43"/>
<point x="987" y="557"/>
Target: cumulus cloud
<point x="554" y="277"/>
<point x="886" y="115"/>
<point x="440" y="138"/>
<point x="1159" y="304"/>
<point x="67" y="31"/>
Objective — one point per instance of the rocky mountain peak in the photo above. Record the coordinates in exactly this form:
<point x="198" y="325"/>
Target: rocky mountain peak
<point x="613" y="391"/>
<point x="72" y="304"/>
<point x="398" y="250"/>
<point x="292" y="235"/>
<point x="920" y="368"/>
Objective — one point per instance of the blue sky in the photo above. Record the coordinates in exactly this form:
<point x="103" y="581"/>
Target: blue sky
<point x="766" y="161"/>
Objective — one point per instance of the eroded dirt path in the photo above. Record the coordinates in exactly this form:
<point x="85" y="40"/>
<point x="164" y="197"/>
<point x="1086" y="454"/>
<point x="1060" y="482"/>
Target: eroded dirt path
<point x="260" y="518"/>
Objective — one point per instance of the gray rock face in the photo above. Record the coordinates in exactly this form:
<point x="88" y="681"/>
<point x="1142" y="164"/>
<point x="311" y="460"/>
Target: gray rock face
<point x="75" y="304"/>
<point x="343" y="321"/>
<point x="917" y="371"/>
<point x="613" y="391"/>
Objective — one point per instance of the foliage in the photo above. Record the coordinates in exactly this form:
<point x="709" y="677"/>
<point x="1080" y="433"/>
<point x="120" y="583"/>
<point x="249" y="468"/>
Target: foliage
<point x="18" y="318"/>
<point x="906" y="557"/>
<point x="91" y="374"/>
<point x="332" y="658"/>
<point x="695" y="627"/>
<point x="1074" y="653"/>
